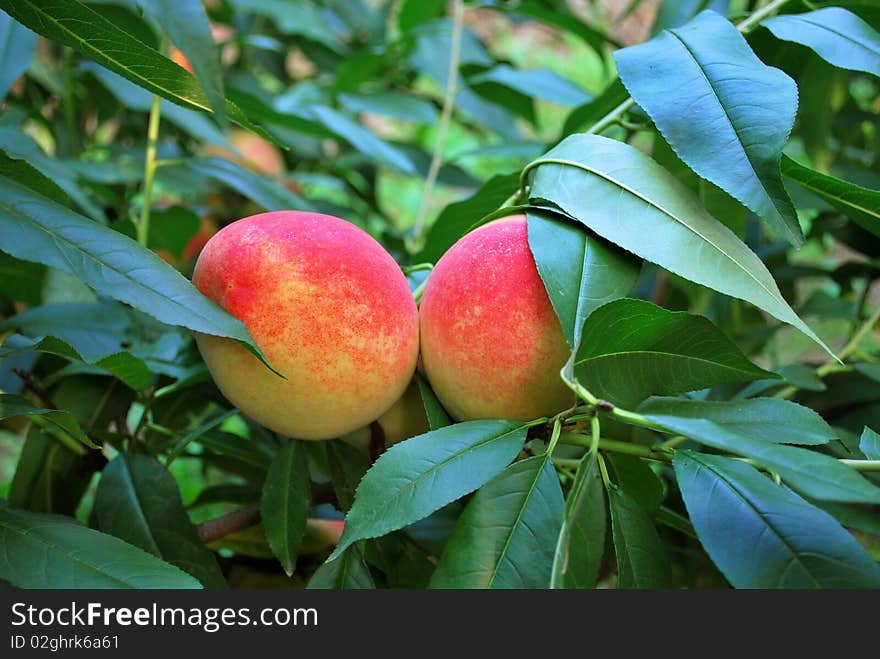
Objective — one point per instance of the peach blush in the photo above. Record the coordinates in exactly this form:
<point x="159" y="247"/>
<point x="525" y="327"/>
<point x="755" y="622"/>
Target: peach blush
<point x="329" y="308"/>
<point x="491" y="343"/>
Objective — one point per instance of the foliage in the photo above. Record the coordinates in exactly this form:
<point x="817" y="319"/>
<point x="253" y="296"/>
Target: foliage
<point x="702" y="188"/>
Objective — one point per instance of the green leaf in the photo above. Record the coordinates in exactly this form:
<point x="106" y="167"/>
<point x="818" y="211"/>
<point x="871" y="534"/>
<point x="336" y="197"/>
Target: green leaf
<point x="21" y="281"/>
<point x="414" y="12"/>
<point x="566" y="21"/>
<point x="17" y="46"/>
<point x="348" y="572"/>
<point x="76" y="25"/>
<point x="361" y="139"/>
<point x="29" y="176"/>
<point x="869" y="444"/>
<point x="725" y="113"/>
<point x="285" y="503"/>
<point x="49" y="476"/>
<point x="852" y="515"/>
<point x="186" y="23"/>
<point x="260" y="188"/>
<point x="457" y="218"/>
<point x="506" y="535"/>
<point x="104" y="334"/>
<point x="587" y="115"/>
<point x="762" y="535"/>
<point x="631" y="349"/>
<point x="172" y="228"/>
<point x="820" y="85"/>
<point x="641" y="559"/>
<point x="132" y="96"/>
<point x="623" y="195"/>
<point x="581" y="543"/>
<point x="436" y="415"/>
<point x="771" y="420"/>
<point x="21" y="146"/>
<point x="394" y="104"/>
<point x="838" y="36"/>
<point x="580" y="271"/>
<point x="414" y="478"/>
<point x="51" y="551"/>
<point x="93" y="329"/>
<point x="37" y="229"/>
<point x="347" y="467"/>
<point x="635" y="477"/>
<point x="813" y="474"/>
<point x="673" y="13"/>
<point x="404" y="563"/>
<point x="138" y="501"/>
<point x="861" y="205"/>
<point x="132" y="371"/>
<point x="871" y="371"/>
<point x="300" y="18"/>
<point x="800" y="376"/>
<point x="12" y="406"/>
<point x="537" y="83"/>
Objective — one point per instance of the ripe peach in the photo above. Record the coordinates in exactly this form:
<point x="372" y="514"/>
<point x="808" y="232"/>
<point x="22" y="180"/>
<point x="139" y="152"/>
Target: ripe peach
<point x="207" y="228"/>
<point x="405" y="419"/>
<point x="492" y="346"/>
<point x="329" y="308"/>
<point x="254" y="153"/>
<point x="321" y="535"/>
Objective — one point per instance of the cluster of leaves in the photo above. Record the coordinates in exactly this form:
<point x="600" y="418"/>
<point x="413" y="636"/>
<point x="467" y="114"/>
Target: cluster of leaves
<point x="665" y="213"/>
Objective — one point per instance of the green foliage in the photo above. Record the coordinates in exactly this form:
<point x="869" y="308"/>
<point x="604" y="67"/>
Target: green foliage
<point x="138" y="501"/>
<point x="641" y="562"/>
<point x="52" y="551"/>
<point x="706" y="227"/>
<point x="579" y="270"/>
<point x="762" y="535"/>
<point x="505" y="536"/>
<point x="631" y="349"/>
<point x="581" y="543"/>
<point x="737" y="111"/>
<point x="623" y="195"/>
<point x="285" y="503"/>
<point x="837" y="35"/>
<point x="416" y="477"/>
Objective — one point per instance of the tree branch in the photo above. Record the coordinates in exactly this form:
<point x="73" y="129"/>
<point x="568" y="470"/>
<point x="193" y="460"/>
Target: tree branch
<point x="445" y="117"/>
<point x="237" y="520"/>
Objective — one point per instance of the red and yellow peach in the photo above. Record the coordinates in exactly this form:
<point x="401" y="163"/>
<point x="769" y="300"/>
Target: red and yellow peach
<point x="329" y="308"/>
<point x="492" y="346"/>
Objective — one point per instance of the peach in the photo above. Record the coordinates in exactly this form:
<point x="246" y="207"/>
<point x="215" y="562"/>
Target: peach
<point x="207" y="228"/>
<point x="253" y="152"/>
<point x="405" y="419"/>
<point x="329" y="308"/>
<point x="492" y="346"/>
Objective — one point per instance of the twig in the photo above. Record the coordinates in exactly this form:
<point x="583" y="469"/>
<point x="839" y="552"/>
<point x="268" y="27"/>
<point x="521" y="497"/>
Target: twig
<point x="445" y="117"/>
<point x="833" y="365"/>
<point x="143" y="225"/>
<point x="31" y="384"/>
<point x="377" y="441"/>
<point x="237" y="520"/>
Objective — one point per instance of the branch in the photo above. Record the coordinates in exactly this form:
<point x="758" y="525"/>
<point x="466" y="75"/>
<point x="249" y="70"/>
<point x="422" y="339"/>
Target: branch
<point x="237" y="520"/>
<point x="31" y="384"/>
<point x="243" y="518"/>
<point x="445" y="117"/>
<point x="833" y="365"/>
